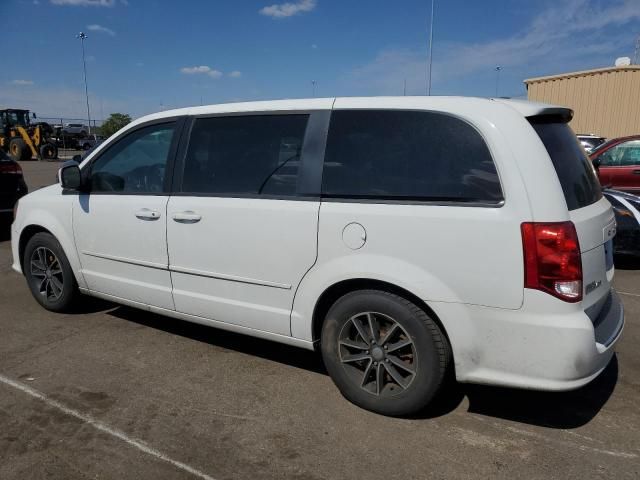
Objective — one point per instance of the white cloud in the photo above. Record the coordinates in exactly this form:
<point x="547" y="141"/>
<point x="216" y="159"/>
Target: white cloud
<point x="235" y="74"/>
<point x="99" y="28"/>
<point x="565" y="35"/>
<point x="21" y="82"/>
<point x="202" y="69"/>
<point x="314" y="46"/>
<point x="85" y="3"/>
<point x="282" y="10"/>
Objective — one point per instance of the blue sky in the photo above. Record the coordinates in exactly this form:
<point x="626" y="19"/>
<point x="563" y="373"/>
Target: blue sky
<point x="144" y="55"/>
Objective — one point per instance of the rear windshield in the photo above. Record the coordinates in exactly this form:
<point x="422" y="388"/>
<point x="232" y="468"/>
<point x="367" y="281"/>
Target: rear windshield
<point x="575" y="171"/>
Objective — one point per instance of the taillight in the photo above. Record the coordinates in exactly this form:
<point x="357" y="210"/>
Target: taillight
<point x="552" y="261"/>
<point x="10" y="167"/>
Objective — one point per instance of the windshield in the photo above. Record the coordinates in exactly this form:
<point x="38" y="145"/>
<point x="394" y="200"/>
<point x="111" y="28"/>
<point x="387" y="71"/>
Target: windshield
<point x="601" y="146"/>
<point x="18" y="118"/>
<point x="575" y="171"/>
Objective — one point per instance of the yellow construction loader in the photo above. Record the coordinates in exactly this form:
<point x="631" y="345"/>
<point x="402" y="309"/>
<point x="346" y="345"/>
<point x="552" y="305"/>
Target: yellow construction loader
<point x="24" y="140"/>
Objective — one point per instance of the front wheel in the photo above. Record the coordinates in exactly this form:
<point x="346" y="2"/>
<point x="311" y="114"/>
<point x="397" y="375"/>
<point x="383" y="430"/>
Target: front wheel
<point x="383" y="352"/>
<point x="49" y="274"/>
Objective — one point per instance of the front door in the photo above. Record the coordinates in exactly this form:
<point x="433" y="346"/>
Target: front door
<point x="619" y="167"/>
<point x="241" y="235"/>
<point x="120" y="224"/>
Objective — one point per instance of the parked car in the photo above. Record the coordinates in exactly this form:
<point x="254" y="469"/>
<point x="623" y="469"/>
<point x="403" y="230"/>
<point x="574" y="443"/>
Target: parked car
<point x="12" y="187"/>
<point x="75" y="129"/>
<point x="590" y="141"/>
<point x="626" y="208"/>
<point x="90" y="142"/>
<point x="618" y="163"/>
<point x="399" y="236"/>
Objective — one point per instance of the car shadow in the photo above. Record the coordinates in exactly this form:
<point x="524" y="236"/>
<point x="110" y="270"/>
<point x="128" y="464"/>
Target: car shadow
<point x="269" y="350"/>
<point x="562" y="410"/>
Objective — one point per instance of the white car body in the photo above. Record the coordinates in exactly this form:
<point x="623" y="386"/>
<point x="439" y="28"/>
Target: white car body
<point x="260" y="266"/>
<point x="75" y="129"/>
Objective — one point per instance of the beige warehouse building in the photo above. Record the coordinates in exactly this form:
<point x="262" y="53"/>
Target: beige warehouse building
<point x="605" y="101"/>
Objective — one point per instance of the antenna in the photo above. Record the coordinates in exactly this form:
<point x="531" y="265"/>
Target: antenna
<point x="636" y="55"/>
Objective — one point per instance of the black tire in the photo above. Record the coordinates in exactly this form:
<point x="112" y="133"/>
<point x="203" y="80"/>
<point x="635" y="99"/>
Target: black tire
<point x="48" y="151"/>
<point x="86" y="146"/>
<point x="57" y="297"/>
<point x="426" y="352"/>
<point x="19" y="150"/>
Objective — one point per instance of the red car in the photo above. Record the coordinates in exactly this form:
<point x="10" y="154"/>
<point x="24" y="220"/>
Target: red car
<point x="618" y="163"/>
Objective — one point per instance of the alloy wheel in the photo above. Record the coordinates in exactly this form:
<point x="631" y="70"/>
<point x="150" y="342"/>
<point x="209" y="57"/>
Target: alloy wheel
<point x="47" y="272"/>
<point x="377" y="353"/>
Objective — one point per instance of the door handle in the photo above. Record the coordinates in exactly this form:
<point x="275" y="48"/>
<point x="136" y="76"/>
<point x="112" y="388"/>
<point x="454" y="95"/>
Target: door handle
<point x="146" y="214"/>
<point x="187" y="217"/>
<point x="636" y="172"/>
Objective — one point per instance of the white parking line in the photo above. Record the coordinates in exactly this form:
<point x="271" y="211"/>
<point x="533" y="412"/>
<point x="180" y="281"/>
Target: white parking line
<point x="104" y="428"/>
<point x="627" y="293"/>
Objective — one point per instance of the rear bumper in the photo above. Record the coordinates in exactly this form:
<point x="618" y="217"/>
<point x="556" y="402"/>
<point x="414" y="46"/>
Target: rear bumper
<point x="550" y="345"/>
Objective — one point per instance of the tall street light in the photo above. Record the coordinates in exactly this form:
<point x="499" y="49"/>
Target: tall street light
<point x="498" y="69"/>
<point x="430" y="49"/>
<point x="82" y="36"/>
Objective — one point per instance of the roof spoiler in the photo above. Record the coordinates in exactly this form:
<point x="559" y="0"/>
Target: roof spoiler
<point x="537" y="110"/>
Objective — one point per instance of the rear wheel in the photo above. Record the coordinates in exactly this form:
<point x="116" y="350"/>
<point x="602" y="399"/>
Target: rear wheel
<point x="383" y="352"/>
<point x="49" y="274"/>
<point x="48" y="151"/>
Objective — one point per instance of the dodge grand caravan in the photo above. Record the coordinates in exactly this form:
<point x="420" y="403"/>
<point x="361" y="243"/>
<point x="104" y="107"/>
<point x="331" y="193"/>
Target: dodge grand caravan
<point x="404" y="238"/>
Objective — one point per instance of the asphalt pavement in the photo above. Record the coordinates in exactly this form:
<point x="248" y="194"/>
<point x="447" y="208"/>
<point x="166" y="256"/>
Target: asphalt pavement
<point x="111" y="392"/>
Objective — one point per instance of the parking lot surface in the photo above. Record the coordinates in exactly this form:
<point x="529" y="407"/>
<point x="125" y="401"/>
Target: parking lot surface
<point x="113" y="392"/>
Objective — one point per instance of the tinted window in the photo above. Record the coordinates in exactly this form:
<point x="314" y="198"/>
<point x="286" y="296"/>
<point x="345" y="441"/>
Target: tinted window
<point x="575" y="171"/>
<point x="135" y="164"/>
<point x="257" y="154"/>
<point x="407" y="155"/>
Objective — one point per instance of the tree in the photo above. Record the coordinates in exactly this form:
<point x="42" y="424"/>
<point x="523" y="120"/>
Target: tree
<point x="114" y="123"/>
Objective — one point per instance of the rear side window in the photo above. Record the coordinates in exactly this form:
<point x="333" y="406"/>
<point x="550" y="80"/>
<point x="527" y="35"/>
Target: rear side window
<point x="245" y="155"/>
<point x="407" y="155"/>
<point x="574" y="169"/>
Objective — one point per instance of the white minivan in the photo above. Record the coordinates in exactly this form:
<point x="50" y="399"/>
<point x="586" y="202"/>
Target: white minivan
<point x="404" y="237"/>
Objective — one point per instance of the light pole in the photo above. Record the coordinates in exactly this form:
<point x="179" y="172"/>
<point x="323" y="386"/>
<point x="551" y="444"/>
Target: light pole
<point x="498" y="69"/>
<point x="430" y="49"/>
<point x="82" y="36"/>
<point x="313" y="88"/>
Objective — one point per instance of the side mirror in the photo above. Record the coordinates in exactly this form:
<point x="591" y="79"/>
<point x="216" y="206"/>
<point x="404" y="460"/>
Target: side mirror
<point x="69" y="176"/>
<point x="34" y="115"/>
<point x="76" y="158"/>
<point x="596" y="162"/>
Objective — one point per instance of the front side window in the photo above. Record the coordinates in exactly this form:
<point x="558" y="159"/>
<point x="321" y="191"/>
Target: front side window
<point x="136" y="163"/>
<point x="624" y="155"/>
<point x="412" y="155"/>
<point x="245" y="155"/>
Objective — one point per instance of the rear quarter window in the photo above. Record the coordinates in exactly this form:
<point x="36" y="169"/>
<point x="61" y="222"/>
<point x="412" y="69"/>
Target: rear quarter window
<point x="407" y="155"/>
<point x="574" y="169"/>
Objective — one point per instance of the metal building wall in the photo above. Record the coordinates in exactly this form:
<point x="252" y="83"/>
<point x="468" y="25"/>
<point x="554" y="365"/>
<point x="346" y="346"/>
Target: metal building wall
<point x="605" y="101"/>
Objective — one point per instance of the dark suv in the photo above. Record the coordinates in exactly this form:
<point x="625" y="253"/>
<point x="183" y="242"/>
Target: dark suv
<point x="12" y="186"/>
